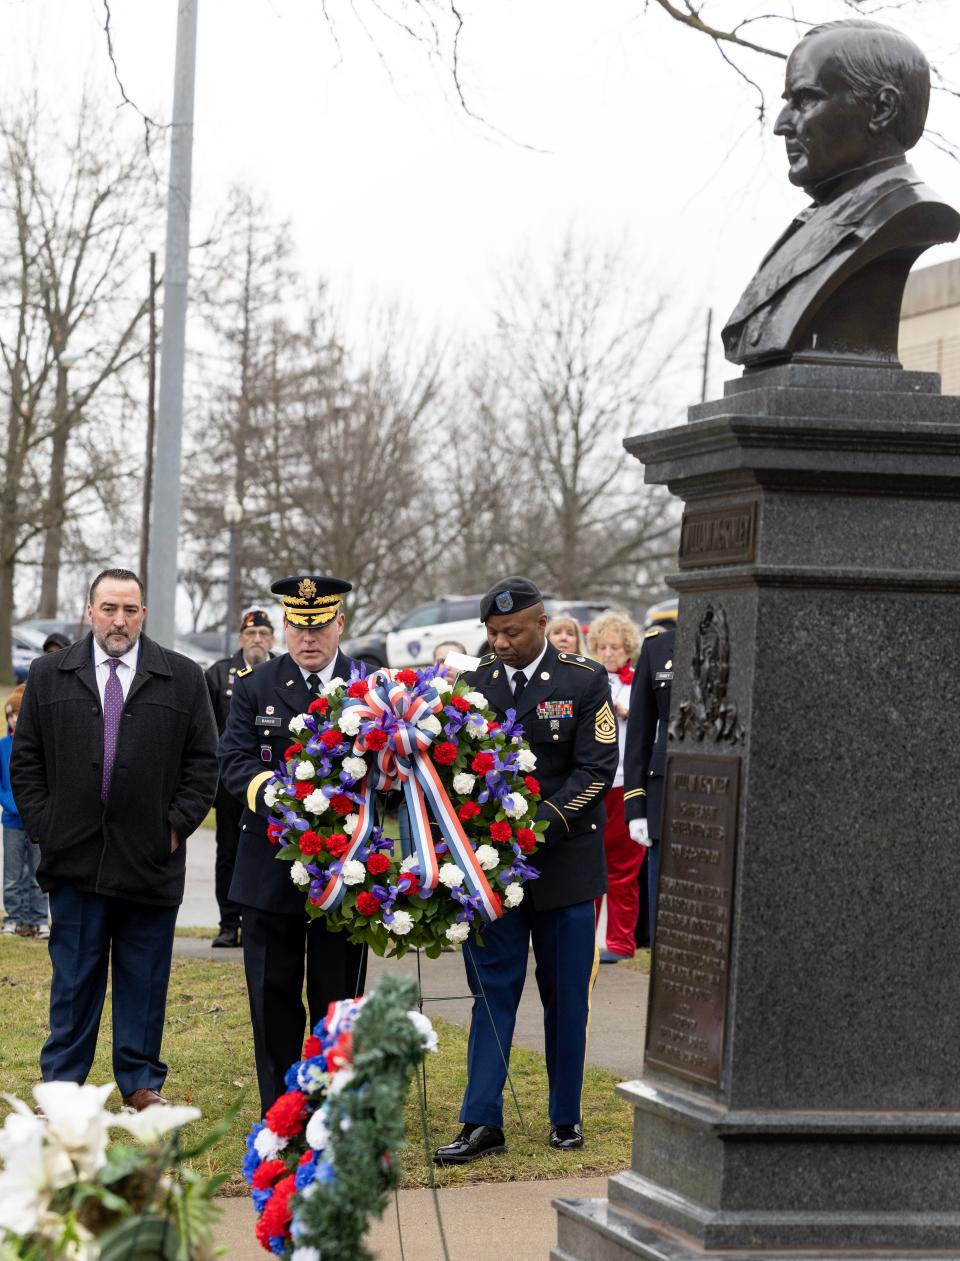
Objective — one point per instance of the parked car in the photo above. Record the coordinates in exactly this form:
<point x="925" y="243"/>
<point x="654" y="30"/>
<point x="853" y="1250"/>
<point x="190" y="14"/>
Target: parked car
<point x="27" y="644"/>
<point x="73" y="628"/>
<point x="663" y="613"/>
<point x="411" y="642"/>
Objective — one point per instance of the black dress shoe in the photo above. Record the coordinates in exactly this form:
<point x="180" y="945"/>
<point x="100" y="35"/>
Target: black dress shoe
<point x="566" y="1138"/>
<point x="471" y="1142"/>
<point x="227" y="937"/>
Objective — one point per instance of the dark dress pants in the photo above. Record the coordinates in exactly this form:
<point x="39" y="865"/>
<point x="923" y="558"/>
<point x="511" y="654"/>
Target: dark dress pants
<point x="88" y="932"/>
<point x="565" y="949"/>
<point x="275" y="948"/>
<point x="229" y="811"/>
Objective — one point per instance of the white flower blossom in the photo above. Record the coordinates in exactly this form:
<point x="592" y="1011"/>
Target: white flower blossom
<point x="317" y="802"/>
<point x="428" y="1035"/>
<point x="487" y="857"/>
<point x="458" y="933"/>
<point x="270" y="794"/>
<point x="410" y="863"/>
<point x="150" y="1125"/>
<point x="299" y="874"/>
<point x="355" y="766"/>
<point x="431" y="725"/>
<point x="353" y="872"/>
<point x="476" y="727"/>
<point x="317" y="1134"/>
<point x="305" y="770"/>
<point x="442" y="685"/>
<point x="476" y="699"/>
<point x="306" y="1254"/>
<point x="350" y="720"/>
<point x="527" y="761"/>
<point x="77" y="1121"/>
<point x="298" y="725"/>
<point x="350" y="824"/>
<point x="463" y="783"/>
<point x="514" y="806"/>
<point x="269" y="1145"/>
<point x="340" y="1080"/>
<point x="513" y="894"/>
<point x="451" y="875"/>
<point x="401" y="924"/>
<point x="334" y="685"/>
<point x="36" y="1166"/>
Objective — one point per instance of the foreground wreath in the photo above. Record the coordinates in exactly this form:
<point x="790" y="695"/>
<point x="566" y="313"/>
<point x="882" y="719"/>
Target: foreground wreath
<point x="467" y="824"/>
<point x="325" y="1156"/>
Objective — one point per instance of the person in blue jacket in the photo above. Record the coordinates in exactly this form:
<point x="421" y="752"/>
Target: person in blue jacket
<point x="25" y="906"/>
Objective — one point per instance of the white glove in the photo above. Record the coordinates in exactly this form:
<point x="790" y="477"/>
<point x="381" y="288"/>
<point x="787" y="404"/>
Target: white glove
<point x="639" y="833"/>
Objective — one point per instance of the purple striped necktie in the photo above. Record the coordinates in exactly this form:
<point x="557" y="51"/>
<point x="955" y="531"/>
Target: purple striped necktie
<point x="112" y="711"/>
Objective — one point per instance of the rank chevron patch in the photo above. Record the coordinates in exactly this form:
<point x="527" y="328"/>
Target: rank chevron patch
<point x="605" y="725"/>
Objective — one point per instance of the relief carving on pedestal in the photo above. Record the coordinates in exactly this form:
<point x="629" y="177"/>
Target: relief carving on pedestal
<point x="710" y="714"/>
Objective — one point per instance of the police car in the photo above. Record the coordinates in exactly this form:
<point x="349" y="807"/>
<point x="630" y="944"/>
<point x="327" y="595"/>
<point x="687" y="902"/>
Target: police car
<point x="412" y="641"/>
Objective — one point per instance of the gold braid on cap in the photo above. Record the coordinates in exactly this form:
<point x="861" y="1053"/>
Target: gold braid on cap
<point x="323" y="609"/>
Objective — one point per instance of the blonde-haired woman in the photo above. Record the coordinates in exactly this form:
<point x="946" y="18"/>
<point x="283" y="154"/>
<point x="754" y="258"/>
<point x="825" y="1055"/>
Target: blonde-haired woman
<point x="564" y="633"/>
<point x="615" y="640"/>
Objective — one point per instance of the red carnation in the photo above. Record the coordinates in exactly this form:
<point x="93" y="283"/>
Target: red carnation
<point x="445" y="753"/>
<point x="291" y="751"/>
<point x="330" y="739"/>
<point x="320" y="706"/>
<point x="276" y="1215"/>
<point x="375" y="739"/>
<point x="461" y="703"/>
<point x="533" y="785"/>
<point x="501" y="832"/>
<point x="482" y="763"/>
<point x="469" y="810"/>
<point x="312" y="1047"/>
<point x="303" y="789"/>
<point x="526" y="839"/>
<point x="274" y="832"/>
<point x="408" y="883"/>
<point x="286" y="1116"/>
<point x="268" y="1172"/>
<point x="367" y="904"/>
<point x="377" y="864"/>
<point x="341" y="803"/>
<point x="337" y="844"/>
<point x="407" y="677"/>
<point x="357" y="688"/>
<point x="493" y="726"/>
<point x="310" y="843"/>
<point x="307" y="1156"/>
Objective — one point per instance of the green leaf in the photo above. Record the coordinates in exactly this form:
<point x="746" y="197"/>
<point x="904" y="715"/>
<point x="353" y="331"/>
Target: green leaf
<point x="143" y="1238"/>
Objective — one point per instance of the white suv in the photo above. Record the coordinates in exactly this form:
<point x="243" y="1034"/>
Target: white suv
<point x="411" y="642"/>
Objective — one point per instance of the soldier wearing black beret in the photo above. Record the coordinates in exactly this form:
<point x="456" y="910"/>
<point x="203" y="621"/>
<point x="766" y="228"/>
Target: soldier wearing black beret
<point x="562" y="701"/>
<point x="256" y="640"/>
<point x="277" y="932"/>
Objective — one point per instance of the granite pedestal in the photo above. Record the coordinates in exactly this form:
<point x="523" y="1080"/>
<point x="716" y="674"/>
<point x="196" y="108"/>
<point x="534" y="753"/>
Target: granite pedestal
<point x="801" y="1089"/>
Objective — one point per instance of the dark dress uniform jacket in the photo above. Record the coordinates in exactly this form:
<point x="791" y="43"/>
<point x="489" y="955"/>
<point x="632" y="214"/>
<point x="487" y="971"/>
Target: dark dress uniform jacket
<point x="645" y="752"/>
<point x="251" y="747"/>
<point x="164" y="776"/>
<point x="220" y="679"/>
<point x="568" y="721"/>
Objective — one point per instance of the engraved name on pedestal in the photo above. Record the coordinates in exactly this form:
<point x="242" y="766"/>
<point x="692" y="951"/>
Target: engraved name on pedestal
<point x="719" y="536"/>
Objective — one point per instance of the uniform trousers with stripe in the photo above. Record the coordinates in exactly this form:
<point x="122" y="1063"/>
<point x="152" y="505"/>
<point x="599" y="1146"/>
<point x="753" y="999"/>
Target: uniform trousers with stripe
<point x="564" y="947"/>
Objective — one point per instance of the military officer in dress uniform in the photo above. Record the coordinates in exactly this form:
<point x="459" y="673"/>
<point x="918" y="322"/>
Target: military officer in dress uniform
<point x="645" y="753"/>
<point x="256" y="640"/>
<point x="563" y="702"/>
<point x="276" y="929"/>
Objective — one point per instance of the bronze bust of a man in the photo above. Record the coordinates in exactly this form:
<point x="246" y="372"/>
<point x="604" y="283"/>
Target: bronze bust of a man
<point x="830" y="289"/>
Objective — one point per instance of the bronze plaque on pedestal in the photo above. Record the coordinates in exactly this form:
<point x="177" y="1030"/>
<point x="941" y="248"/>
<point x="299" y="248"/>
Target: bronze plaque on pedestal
<point x="691" y="955"/>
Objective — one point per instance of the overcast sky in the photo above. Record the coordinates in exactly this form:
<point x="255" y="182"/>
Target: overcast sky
<point x="622" y="125"/>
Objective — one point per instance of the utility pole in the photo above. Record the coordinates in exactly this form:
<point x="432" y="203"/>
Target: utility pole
<point x="162" y="595"/>
<point x="151" y="424"/>
<point x="705" y="382"/>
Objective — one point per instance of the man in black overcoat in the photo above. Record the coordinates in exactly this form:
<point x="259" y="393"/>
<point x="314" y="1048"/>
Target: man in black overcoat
<point x="277" y="933"/>
<point x="113" y="767"/>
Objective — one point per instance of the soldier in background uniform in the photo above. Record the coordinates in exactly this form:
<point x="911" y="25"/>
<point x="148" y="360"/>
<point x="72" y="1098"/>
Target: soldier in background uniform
<point x="562" y="700"/>
<point x="645" y="755"/>
<point x="277" y="933"/>
<point x="256" y="640"/>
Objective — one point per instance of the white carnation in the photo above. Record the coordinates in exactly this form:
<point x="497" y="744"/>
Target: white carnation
<point x="304" y="770"/>
<point x="527" y="761"/>
<point x="401" y="924"/>
<point x="442" y="685"/>
<point x="353" y="872"/>
<point x="317" y="802"/>
<point x="513" y="894"/>
<point x="476" y="728"/>
<point x="428" y="1034"/>
<point x="410" y="863"/>
<point x="270" y="794"/>
<point x="269" y="1145"/>
<point x="476" y="699"/>
<point x="430" y="724"/>
<point x="457" y="933"/>
<point x="299" y="874"/>
<point x="298" y="724"/>
<point x="514" y="806"/>
<point x="463" y="783"/>
<point x="487" y="857"/>
<point x="350" y="824"/>
<point x="451" y="875"/>
<point x="355" y="766"/>
<point x="335" y="683"/>
<point x="350" y="720"/>
<point x="317" y="1134"/>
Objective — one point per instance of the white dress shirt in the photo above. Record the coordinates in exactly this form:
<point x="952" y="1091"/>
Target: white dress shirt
<point x="529" y="670"/>
<point x="325" y="675"/>
<point x="125" y="671"/>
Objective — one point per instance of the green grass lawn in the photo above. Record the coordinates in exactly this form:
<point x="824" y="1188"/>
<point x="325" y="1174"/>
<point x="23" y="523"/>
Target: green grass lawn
<point x="209" y="1049"/>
